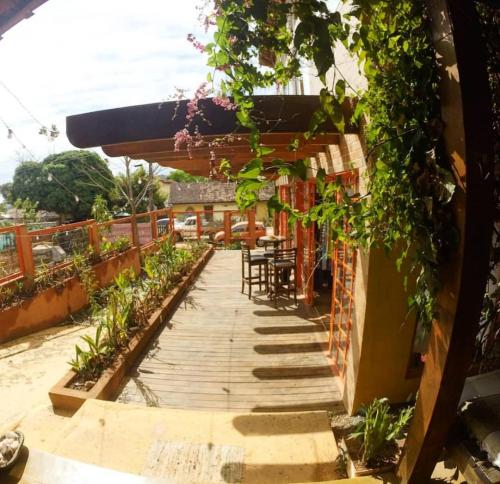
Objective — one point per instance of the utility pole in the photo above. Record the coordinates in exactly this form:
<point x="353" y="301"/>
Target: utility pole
<point x="150" y="188"/>
<point x="131" y="201"/>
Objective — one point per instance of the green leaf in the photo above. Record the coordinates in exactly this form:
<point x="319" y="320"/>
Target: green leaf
<point x="340" y="90"/>
<point x="300" y="168"/>
<point x="259" y="9"/>
<point x="251" y="170"/>
<point x="265" y="151"/>
<point x="302" y="33"/>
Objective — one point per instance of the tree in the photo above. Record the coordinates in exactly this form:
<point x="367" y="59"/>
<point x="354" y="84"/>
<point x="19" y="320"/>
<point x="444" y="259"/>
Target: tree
<point x="142" y="185"/>
<point x="6" y="191"/>
<point x="64" y="183"/>
<point x="28" y="209"/>
<point x="100" y="211"/>
<point x="181" y="176"/>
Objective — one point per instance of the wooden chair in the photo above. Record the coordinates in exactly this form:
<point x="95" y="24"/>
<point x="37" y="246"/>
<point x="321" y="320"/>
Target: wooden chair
<point x="248" y="261"/>
<point x="283" y="274"/>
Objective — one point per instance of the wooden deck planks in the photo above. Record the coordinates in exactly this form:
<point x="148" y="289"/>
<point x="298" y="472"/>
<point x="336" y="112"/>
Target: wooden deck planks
<point x="223" y="351"/>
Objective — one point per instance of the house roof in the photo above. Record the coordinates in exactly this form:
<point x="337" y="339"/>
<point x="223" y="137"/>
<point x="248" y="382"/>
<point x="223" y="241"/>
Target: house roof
<point x="13" y="11"/>
<point x="210" y="192"/>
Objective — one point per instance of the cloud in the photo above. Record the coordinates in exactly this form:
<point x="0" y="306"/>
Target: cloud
<point x="75" y="56"/>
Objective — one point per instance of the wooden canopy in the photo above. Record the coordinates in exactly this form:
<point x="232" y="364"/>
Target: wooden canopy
<point x="13" y="11"/>
<point x="146" y="132"/>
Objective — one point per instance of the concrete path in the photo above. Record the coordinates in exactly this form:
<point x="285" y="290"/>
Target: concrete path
<point x="196" y="447"/>
<point x="29" y="366"/>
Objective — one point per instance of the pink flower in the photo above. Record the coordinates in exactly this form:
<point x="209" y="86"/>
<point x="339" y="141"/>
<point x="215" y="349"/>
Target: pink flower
<point x="224" y="102"/>
<point x="182" y="138"/>
<point x="192" y="106"/>
<point x="196" y="43"/>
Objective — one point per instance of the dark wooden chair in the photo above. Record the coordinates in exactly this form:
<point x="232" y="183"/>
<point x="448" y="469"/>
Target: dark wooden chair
<point x="283" y="274"/>
<point x="248" y="262"/>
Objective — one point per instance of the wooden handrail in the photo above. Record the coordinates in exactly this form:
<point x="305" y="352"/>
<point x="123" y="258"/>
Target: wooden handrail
<point x="9" y="229"/>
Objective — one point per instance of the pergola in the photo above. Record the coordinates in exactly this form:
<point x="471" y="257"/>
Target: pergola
<point x="147" y="132"/>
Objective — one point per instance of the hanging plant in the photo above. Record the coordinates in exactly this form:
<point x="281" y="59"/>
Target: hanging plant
<point x="410" y="186"/>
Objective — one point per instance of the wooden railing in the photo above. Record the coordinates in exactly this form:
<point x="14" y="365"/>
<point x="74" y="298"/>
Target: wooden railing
<point x="23" y="252"/>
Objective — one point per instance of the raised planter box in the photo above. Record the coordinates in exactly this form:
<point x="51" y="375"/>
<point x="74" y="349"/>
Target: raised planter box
<point x="53" y="305"/>
<point x="358" y="470"/>
<point x="107" y="386"/>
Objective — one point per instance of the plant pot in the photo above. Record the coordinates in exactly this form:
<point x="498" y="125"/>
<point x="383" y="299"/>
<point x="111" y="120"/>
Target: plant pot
<point x="12" y="461"/>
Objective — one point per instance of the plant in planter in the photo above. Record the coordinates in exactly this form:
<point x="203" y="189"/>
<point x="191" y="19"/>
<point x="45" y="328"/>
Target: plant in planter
<point x="110" y="247"/>
<point x="129" y="303"/>
<point x="83" y="269"/>
<point x="378" y="431"/>
<point x="89" y="363"/>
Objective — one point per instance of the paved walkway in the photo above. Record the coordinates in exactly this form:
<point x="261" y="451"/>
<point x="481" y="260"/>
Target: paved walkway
<point x="30" y="365"/>
<point x="223" y="351"/>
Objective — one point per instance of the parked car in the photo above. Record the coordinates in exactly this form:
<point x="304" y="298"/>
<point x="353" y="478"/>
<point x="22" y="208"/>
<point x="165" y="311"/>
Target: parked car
<point x="163" y="227"/>
<point x="239" y="231"/>
<point x="189" y="229"/>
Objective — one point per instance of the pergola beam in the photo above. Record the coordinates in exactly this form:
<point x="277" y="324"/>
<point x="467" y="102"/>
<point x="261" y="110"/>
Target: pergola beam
<point x="153" y="147"/>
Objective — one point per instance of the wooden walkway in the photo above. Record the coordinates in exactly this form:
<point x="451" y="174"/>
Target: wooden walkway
<point x="223" y="351"/>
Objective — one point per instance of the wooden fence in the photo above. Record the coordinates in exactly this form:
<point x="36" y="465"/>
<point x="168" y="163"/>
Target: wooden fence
<point x="23" y="252"/>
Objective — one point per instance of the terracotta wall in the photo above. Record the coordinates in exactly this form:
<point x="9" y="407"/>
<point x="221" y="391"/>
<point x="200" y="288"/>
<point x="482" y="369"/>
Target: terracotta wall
<point x="54" y="305"/>
<point x="382" y="334"/>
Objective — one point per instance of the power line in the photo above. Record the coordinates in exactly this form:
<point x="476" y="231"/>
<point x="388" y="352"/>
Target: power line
<point x="31" y="115"/>
<point x="12" y="134"/>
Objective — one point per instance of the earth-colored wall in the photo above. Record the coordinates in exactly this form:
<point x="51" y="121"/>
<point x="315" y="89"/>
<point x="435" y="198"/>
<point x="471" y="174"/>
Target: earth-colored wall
<point x="381" y="335"/>
<point x="53" y="305"/>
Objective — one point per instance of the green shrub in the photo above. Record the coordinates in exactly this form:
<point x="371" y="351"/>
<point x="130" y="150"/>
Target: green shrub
<point x="380" y="428"/>
<point x="130" y="302"/>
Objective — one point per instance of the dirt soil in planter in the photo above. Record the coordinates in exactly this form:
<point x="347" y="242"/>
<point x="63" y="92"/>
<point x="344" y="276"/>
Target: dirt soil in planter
<point x="342" y="426"/>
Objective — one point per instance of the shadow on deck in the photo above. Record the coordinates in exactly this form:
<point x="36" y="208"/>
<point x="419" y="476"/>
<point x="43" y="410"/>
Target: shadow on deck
<point x="223" y="351"/>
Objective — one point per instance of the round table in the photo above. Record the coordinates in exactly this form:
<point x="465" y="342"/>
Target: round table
<point x="272" y="240"/>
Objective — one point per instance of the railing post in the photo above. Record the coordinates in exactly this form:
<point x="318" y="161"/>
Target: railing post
<point x="153" y="220"/>
<point x="171" y="222"/>
<point x="251" y="228"/>
<point x="25" y="254"/>
<point x="227" y="228"/>
<point x="299" y="203"/>
<point x="94" y="239"/>
<point x="198" y="225"/>
<point x="135" y="231"/>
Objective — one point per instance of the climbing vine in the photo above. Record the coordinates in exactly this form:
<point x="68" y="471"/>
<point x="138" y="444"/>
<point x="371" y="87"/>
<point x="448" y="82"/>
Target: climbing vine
<point x="263" y="43"/>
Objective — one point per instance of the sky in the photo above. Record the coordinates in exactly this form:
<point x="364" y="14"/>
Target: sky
<point x="76" y="56"/>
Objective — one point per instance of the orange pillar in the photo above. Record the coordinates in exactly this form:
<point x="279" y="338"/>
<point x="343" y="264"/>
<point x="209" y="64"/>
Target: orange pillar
<point x="251" y="229"/>
<point x="198" y="225"/>
<point x="299" y="203"/>
<point x="25" y="252"/>
<point x="153" y="220"/>
<point x="227" y="228"/>
<point x="94" y="239"/>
